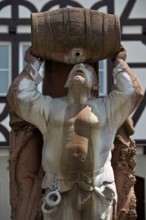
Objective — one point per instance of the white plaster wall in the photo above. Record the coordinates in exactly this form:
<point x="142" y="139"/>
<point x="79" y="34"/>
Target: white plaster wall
<point x="140" y="132"/>
<point x="3" y="28"/>
<point x="136" y="29"/>
<point x="84" y="3"/>
<point x="119" y="6"/>
<point x="139" y="10"/>
<point x="5" y="12"/>
<point x="23" y="29"/>
<point x="136" y="51"/>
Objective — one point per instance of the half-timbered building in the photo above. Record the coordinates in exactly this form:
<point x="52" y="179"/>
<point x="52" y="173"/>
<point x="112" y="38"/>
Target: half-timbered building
<point x="15" y="38"/>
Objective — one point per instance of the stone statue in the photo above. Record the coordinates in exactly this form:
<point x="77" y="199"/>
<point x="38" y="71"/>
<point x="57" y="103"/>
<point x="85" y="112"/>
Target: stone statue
<point x="123" y="163"/>
<point x="25" y="169"/>
<point x="78" y="133"/>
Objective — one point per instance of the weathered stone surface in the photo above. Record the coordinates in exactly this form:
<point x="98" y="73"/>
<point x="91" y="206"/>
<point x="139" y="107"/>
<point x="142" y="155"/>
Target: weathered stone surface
<point x="123" y="162"/>
<point x="75" y="35"/>
<point x="25" y="169"/>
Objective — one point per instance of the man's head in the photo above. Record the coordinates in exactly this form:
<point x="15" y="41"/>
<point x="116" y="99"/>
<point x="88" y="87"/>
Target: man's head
<point x="84" y="75"/>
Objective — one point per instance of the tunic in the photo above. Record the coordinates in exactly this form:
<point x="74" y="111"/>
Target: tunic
<point x="78" y="137"/>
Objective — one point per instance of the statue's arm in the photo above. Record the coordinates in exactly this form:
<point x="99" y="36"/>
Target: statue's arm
<point x="23" y="97"/>
<point x="127" y="94"/>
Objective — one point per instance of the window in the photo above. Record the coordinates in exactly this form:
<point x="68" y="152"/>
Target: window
<point x="5" y="67"/>
<point x="102" y="78"/>
<point x="22" y="49"/>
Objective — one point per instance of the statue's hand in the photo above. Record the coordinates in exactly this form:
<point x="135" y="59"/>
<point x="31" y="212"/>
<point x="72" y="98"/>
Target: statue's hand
<point x="29" y="58"/>
<point x="121" y="56"/>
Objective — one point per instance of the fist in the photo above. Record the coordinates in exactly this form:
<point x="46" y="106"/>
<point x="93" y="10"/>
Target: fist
<point x="122" y="55"/>
<point x="29" y="58"/>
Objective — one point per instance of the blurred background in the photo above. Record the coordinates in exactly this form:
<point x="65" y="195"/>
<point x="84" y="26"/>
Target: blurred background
<point x="15" y="38"/>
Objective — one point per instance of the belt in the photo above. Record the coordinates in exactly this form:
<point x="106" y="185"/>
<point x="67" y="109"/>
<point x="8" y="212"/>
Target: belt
<point x="81" y="176"/>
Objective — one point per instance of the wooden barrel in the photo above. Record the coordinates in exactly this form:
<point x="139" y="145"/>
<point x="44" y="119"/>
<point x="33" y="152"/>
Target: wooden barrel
<point x="74" y="35"/>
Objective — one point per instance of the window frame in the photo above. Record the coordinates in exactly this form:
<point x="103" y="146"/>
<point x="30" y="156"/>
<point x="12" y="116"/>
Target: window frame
<point x="7" y="43"/>
<point x="104" y="70"/>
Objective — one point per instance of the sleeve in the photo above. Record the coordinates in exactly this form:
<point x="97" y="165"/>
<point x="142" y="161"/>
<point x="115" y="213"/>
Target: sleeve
<point x="27" y="101"/>
<point x="125" y="98"/>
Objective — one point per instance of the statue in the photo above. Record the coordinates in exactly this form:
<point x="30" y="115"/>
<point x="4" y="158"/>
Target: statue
<point x="25" y="169"/>
<point x="78" y="132"/>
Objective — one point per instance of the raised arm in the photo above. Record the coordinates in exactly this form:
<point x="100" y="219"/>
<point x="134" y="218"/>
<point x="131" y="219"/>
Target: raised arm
<point x="127" y="94"/>
<point x="23" y="97"/>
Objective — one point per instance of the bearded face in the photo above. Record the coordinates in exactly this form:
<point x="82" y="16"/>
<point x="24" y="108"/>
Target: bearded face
<point x="84" y="75"/>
